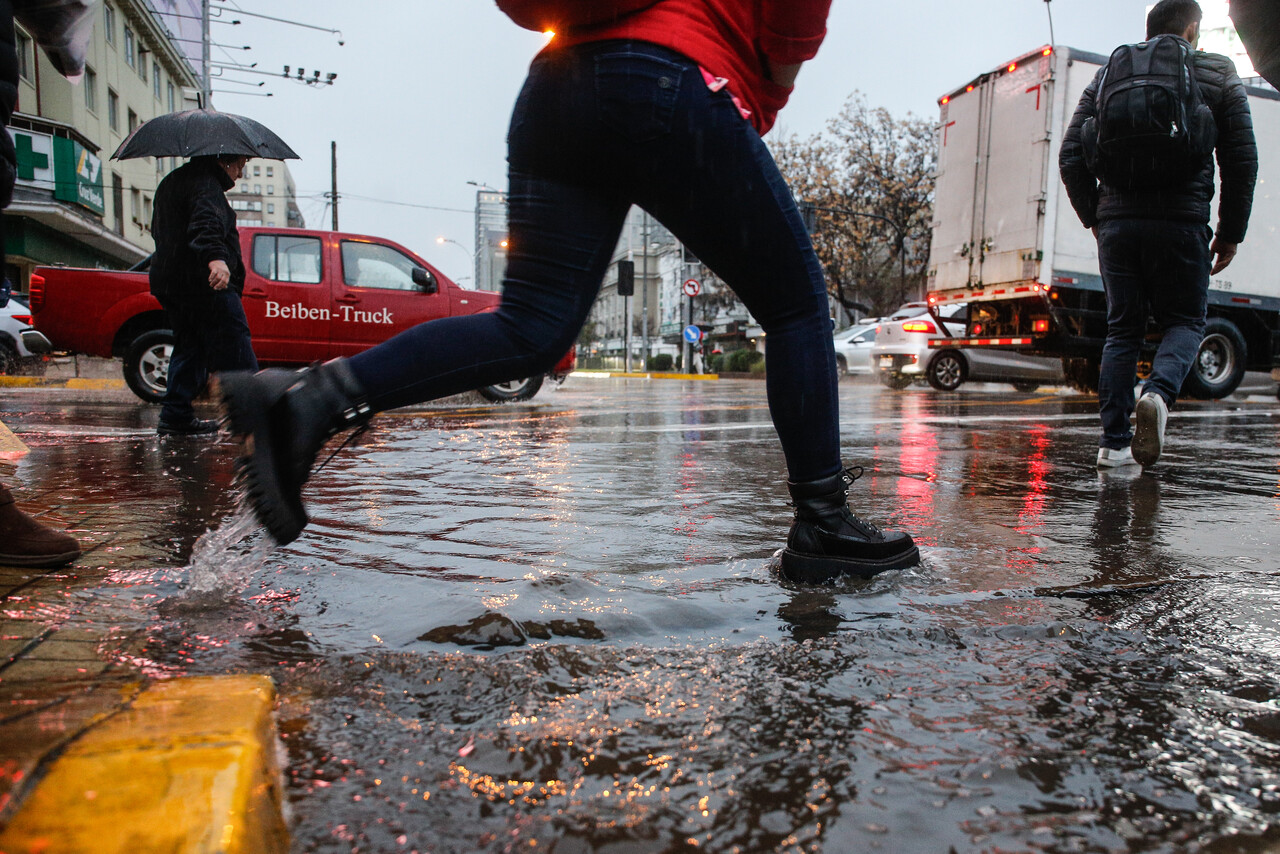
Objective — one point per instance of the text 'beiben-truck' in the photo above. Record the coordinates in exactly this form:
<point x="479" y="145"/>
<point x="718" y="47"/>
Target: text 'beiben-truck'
<point x="1007" y="242"/>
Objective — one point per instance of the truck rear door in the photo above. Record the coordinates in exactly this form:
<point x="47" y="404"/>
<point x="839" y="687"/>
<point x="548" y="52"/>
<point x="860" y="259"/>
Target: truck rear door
<point x="375" y="295"/>
<point x="286" y="297"/>
<point x="993" y="169"/>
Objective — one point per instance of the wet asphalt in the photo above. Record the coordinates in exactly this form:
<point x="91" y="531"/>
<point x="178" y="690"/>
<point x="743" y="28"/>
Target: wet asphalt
<point x="557" y="626"/>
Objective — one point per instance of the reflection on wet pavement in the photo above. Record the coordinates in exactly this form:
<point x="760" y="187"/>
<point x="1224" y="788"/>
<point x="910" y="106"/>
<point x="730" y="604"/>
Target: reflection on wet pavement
<point x="555" y="626"/>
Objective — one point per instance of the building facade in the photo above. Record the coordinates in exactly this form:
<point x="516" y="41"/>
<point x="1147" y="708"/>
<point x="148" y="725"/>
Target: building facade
<point x="72" y="205"/>
<point x="267" y="195"/>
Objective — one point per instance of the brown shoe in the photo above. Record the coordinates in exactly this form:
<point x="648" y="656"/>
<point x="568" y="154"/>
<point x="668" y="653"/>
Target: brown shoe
<point x="25" y="542"/>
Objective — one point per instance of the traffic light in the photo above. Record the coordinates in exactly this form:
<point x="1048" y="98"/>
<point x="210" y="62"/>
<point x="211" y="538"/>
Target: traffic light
<point x="626" y="278"/>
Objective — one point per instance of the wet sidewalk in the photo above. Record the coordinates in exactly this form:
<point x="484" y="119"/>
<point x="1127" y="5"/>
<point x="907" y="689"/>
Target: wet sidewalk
<point x="556" y="625"/>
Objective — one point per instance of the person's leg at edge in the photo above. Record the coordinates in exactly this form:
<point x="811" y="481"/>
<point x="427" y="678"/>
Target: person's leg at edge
<point x="1179" y="267"/>
<point x="1120" y="252"/>
<point x="713" y="181"/>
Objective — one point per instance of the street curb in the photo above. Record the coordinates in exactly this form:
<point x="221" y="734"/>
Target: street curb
<point x="190" y="766"/>
<point x="11" y="447"/>
<point x="638" y="375"/>
<point x="67" y="382"/>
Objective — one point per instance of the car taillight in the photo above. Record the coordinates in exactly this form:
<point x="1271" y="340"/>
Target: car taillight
<point x="977" y="329"/>
<point x="920" y="326"/>
<point x="35" y="292"/>
<point x="1041" y="325"/>
<point x="24" y="318"/>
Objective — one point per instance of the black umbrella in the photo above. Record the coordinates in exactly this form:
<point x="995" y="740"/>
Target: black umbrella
<point x="202" y="132"/>
<point x="1258" y="24"/>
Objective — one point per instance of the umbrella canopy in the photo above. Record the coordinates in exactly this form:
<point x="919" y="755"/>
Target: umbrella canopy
<point x="1258" y="24"/>
<point x="194" y="133"/>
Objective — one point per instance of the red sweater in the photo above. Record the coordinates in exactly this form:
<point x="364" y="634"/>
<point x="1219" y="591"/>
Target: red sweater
<point x="729" y="38"/>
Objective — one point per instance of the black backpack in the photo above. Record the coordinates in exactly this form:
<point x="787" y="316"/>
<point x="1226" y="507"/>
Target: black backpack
<point x="1152" y="127"/>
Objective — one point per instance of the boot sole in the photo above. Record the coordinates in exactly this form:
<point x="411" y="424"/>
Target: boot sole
<point x="1148" y="441"/>
<point x="825" y="569"/>
<point x="246" y="405"/>
<point x="39" y="561"/>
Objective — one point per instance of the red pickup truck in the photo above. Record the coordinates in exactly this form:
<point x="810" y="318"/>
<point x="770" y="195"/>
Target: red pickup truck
<point x="308" y="295"/>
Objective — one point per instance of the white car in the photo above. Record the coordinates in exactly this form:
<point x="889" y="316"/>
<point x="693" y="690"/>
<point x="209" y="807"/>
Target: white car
<point x="902" y="355"/>
<point x="20" y="344"/>
<point x="853" y="349"/>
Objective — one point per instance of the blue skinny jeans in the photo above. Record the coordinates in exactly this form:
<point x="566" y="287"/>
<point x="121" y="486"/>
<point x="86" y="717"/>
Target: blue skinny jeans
<point x="1151" y="267"/>
<point x="596" y="129"/>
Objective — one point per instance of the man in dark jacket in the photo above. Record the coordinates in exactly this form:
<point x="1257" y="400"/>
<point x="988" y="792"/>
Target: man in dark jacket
<point x="1156" y="249"/>
<point x="197" y="275"/>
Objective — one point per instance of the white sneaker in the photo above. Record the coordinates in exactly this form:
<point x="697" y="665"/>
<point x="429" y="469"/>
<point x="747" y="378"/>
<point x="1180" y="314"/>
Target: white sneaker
<point x="1110" y="458"/>
<point x="1150" y="416"/>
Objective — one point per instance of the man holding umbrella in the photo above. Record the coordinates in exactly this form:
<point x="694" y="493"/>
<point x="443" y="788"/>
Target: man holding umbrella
<point x="197" y="274"/>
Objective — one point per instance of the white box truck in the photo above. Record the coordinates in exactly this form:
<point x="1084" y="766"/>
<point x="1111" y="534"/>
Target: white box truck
<point x="1007" y="242"/>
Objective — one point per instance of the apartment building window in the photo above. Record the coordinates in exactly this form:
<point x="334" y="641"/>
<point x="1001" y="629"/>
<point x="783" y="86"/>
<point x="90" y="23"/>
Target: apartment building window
<point x="271" y="207"/>
<point x="25" y="58"/>
<point x="109" y="23"/>
<point x="155" y="79"/>
<point x="130" y="56"/>
<point x="90" y="89"/>
<point x="117" y="201"/>
<point x="271" y="189"/>
<point x="257" y="188"/>
<point x="270" y="169"/>
<point x="257" y="170"/>
<point x="146" y="211"/>
<point x="133" y="121"/>
<point x="135" y="205"/>
<point x="113" y="109"/>
<point x="142" y="63"/>
<point x="172" y="100"/>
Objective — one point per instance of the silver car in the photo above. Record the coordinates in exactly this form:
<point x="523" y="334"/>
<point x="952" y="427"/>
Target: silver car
<point x="853" y="349"/>
<point x="20" y="344"/>
<point x="901" y="355"/>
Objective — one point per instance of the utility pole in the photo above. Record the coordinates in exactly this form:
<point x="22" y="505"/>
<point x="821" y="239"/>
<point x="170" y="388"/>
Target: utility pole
<point x="206" y="81"/>
<point x="644" y="295"/>
<point x="333" y="157"/>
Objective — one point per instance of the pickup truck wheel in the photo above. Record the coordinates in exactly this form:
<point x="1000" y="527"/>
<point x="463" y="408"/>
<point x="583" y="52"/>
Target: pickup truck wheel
<point x="515" y="390"/>
<point x="947" y="371"/>
<point x="1219" y="366"/>
<point x="146" y="364"/>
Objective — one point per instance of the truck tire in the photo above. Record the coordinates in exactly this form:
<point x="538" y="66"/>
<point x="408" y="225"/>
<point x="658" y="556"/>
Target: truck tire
<point x="1025" y="386"/>
<point x="1082" y="374"/>
<point x="948" y="370"/>
<point x="515" y="390"/>
<point x="1219" y="365"/>
<point x="146" y="364"/>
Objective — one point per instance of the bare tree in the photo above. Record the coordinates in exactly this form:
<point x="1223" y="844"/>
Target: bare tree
<point x="870" y="178"/>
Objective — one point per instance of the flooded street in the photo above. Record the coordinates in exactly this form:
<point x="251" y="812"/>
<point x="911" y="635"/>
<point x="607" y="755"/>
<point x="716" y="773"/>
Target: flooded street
<point x="556" y="626"/>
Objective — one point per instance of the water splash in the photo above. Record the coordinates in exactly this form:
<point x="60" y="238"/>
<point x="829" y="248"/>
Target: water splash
<point x="225" y="558"/>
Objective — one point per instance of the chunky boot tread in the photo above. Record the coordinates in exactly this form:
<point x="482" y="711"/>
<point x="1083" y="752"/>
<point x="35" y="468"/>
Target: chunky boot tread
<point x="827" y="569"/>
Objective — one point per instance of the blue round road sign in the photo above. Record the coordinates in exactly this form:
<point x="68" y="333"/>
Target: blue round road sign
<point x="692" y="334"/>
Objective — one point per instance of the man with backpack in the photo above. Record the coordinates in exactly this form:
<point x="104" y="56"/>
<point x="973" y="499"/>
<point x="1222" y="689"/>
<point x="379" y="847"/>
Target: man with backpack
<point x="1138" y="164"/>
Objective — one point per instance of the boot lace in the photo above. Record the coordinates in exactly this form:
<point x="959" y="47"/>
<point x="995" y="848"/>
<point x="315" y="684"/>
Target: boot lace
<point x="849" y="476"/>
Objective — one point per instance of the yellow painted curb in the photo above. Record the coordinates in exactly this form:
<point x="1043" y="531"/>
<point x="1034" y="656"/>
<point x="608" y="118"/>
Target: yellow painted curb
<point x="191" y="766"/>
<point x="11" y="447"/>
<point x="69" y="382"/>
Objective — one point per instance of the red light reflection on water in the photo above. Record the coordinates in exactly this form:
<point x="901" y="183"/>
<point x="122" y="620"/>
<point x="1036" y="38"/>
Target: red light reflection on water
<point x="1031" y="513"/>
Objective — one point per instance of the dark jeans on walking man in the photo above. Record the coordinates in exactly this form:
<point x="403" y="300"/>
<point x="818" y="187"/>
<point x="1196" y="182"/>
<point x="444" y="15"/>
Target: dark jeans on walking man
<point x="1158" y="269"/>
<point x="210" y="333"/>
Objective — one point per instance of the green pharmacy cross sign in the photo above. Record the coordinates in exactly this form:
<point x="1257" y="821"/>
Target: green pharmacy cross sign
<point x="79" y="175"/>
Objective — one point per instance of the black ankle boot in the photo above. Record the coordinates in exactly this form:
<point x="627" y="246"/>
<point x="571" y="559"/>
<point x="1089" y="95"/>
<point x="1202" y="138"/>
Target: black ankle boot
<point x="287" y="416"/>
<point x="827" y="541"/>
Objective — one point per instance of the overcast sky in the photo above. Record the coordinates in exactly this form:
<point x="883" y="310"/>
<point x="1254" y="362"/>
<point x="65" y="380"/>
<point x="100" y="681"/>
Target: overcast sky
<point x="425" y="88"/>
